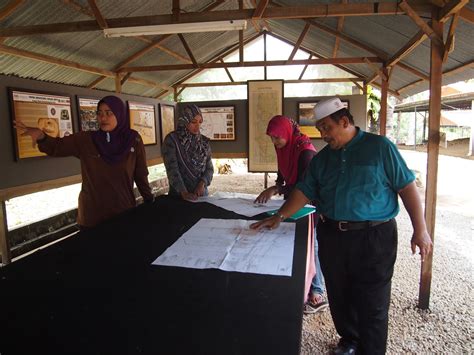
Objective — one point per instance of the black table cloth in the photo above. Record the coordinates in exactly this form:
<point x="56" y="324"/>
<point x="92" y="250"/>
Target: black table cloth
<point x="97" y="293"/>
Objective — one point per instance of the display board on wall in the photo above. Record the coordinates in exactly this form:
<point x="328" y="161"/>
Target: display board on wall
<point x="265" y="100"/>
<point x="306" y="119"/>
<point x="166" y="120"/>
<point x="218" y="123"/>
<point x="142" y="119"/>
<point x="49" y="112"/>
<point x="88" y="113"/>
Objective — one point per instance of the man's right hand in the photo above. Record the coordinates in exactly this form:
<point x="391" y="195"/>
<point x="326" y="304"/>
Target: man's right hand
<point x="270" y="223"/>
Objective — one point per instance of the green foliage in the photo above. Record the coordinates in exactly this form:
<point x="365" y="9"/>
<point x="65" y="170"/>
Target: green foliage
<point x="373" y="109"/>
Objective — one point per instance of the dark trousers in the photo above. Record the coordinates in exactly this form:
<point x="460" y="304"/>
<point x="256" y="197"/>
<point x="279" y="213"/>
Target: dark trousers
<point x="358" y="268"/>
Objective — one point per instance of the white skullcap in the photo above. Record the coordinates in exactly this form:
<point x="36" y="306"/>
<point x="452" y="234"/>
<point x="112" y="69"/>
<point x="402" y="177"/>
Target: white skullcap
<point x="327" y="107"/>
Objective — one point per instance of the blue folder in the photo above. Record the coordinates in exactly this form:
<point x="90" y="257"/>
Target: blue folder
<point x="300" y="213"/>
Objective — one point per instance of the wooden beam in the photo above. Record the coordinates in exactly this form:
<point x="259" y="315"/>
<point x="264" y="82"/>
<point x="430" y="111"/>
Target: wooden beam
<point x="375" y="68"/>
<point x="420" y="22"/>
<point x="355" y="81"/>
<point x="449" y="46"/>
<point x="318" y="61"/>
<point x="340" y="25"/>
<point x="407" y="48"/>
<point x="216" y="58"/>
<point x="8" y="9"/>
<point x="118" y="83"/>
<point x="125" y="78"/>
<point x="97" y="14"/>
<point x="4" y="242"/>
<point x="455" y="70"/>
<point x="79" y="7"/>
<point x="304" y="69"/>
<point x="235" y="83"/>
<point x="265" y="55"/>
<point x="383" y="102"/>
<point x="299" y="41"/>
<point x="433" y="154"/>
<point x="288" y="12"/>
<point x="241" y="38"/>
<point x="451" y="8"/>
<point x="188" y="50"/>
<point x="228" y="72"/>
<point x="260" y="9"/>
<point x="51" y="60"/>
<point x="358" y="44"/>
<point x="467" y="14"/>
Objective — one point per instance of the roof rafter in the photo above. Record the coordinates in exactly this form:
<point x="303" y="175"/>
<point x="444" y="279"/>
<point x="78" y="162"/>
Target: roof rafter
<point x="288" y="12"/>
<point x="97" y="14"/>
<point x="69" y="64"/>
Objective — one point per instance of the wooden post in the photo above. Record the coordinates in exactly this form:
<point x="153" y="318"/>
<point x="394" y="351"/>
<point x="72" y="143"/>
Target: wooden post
<point x="471" y="141"/>
<point x="433" y="153"/>
<point x="118" y="83"/>
<point x="383" y="103"/>
<point x="265" y="180"/>
<point x="4" y="244"/>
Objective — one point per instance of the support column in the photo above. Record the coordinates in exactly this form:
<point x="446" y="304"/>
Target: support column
<point x="383" y="104"/>
<point x="471" y="141"/>
<point x="433" y="153"/>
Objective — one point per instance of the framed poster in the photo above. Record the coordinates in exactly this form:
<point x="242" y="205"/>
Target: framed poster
<point x="218" y="123"/>
<point x="167" y="120"/>
<point x="265" y="100"/>
<point x="88" y="113"/>
<point x="49" y="112"/>
<point x="306" y="119"/>
<point x="142" y="119"/>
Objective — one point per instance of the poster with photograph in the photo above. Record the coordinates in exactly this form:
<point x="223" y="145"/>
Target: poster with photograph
<point x="87" y="114"/>
<point x="306" y="118"/>
<point x="167" y="120"/>
<point x="142" y="119"/>
<point x="50" y="113"/>
<point x="218" y="123"/>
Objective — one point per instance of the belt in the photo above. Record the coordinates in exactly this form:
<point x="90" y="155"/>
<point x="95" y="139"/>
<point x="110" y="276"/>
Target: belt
<point x="345" y="226"/>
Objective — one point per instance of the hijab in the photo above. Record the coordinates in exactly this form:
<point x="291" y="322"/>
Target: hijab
<point x="196" y="146"/>
<point x="114" y="146"/>
<point x="296" y="142"/>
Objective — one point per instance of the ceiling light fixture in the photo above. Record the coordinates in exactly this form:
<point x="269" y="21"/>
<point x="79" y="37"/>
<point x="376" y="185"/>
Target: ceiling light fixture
<point x="212" y="26"/>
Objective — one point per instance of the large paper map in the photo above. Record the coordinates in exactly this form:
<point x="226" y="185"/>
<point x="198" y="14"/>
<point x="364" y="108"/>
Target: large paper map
<point x="265" y="101"/>
<point x="230" y="244"/>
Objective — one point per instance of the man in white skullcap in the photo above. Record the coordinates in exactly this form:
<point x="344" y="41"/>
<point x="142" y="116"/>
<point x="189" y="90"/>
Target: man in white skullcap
<point x="355" y="181"/>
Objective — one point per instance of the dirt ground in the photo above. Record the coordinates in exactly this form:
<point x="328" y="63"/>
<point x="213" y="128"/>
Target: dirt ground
<point x="456" y="148"/>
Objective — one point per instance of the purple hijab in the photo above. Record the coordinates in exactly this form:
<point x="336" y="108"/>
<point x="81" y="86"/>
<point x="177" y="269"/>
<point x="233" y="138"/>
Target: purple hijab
<point x="115" y="145"/>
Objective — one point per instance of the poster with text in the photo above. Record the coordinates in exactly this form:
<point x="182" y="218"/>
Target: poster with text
<point x="218" y="123"/>
<point x="167" y="120"/>
<point x="142" y="119"/>
<point x="88" y="114"/>
<point x="48" y="112"/>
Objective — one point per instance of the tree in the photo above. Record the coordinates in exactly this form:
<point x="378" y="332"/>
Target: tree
<point x="373" y="104"/>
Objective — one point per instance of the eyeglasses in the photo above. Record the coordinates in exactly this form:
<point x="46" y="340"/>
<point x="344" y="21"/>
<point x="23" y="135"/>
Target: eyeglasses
<point x="107" y="113"/>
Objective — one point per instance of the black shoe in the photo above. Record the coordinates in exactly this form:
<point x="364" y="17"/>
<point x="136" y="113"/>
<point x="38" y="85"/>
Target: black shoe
<point x="345" y="349"/>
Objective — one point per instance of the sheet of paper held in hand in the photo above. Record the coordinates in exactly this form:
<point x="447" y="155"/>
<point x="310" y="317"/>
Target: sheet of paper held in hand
<point x="230" y="244"/>
<point x="243" y="206"/>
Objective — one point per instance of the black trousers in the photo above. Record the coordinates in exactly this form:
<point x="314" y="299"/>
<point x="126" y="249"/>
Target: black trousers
<point x="358" y="268"/>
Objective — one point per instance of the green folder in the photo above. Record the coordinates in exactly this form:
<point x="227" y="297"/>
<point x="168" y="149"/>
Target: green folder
<point x="301" y="213"/>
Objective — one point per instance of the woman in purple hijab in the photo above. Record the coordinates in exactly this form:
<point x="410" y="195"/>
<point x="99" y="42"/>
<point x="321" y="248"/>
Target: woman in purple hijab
<point x="112" y="160"/>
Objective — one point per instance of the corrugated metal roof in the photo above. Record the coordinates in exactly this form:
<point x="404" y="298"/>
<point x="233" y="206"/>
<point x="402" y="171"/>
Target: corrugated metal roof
<point x="384" y="34"/>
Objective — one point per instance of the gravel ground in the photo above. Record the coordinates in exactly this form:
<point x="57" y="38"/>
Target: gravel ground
<point x="447" y="328"/>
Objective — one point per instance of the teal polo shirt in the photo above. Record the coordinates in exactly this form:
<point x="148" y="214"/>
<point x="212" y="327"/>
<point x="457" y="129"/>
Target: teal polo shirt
<point x="358" y="182"/>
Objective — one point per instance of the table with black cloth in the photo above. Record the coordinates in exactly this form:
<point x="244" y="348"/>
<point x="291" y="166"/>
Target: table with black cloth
<point x="97" y="293"/>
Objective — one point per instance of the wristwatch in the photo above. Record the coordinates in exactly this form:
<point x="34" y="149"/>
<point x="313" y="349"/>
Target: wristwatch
<point x="282" y="217"/>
